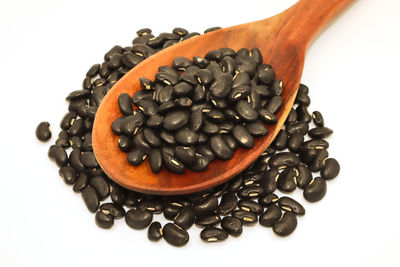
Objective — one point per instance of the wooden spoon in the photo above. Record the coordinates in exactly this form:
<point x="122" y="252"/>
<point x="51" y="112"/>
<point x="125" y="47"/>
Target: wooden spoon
<point x="282" y="39"/>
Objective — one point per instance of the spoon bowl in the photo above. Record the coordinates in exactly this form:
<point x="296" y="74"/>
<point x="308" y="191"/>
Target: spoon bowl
<point x="282" y="40"/>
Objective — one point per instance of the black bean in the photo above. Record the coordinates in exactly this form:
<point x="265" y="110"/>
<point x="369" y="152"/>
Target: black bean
<point x="117" y="194"/>
<point x="267" y="200"/>
<point x="58" y="154"/>
<point x="142" y="50"/>
<point x="138" y="219"/>
<point x="165" y="95"/>
<point x="277" y="87"/>
<point x="151" y="137"/>
<point x="235" y="184"/>
<point x="289" y="204"/>
<point x="232" y="115"/>
<point x="167" y="137"/>
<point x="172" y="163"/>
<point x="215" y="116"/>
<point x="187" y="155"/>
<point x="286" y="225"/>
<point x="114" y="209"/>
<point x="256" y="128"/>
<point x="116" y="125"/>
<point x="214" y="55"/>
<point x="213" y="234"/>
<point x="139" y="142"/>
<point x="103" y="220"/>
<point x="68" y="120"/>
<point x="155" y="159"/>
<point x="75" y="160"/>
<point x="267" y="116"/>
<point x="175" y="235"/>
<point x="184" y="102"/>
<point x="205" y="206"/>
<point x="130" y="124"/>
<point x="153" y="205"/>
<point x="81" y="182"/>
<point x="274" y="104"/>
<point x="136" y="157"/>
<point x="318" y="162"/>
<point x="77" y="129"/>
<point x="231" y="142"/>
<point x="281" y="140"/>
<point x="266" y="74"/>
<point x="154" y="121"/>
<point x="246" y="217"/>
<point x="243" y="136"/>
<point x="271" y="215"/>
<point x="132" y="199"/>
<point x="154" y="233"/>
<point x="246" y="111"/>
<point x="89" y="196"/>
<point x="87" y="83"/>
<point x="315" y="190"/>
<point x="141" y="95"/>
<point x="302" y="114"/>
<point x="222" y="85"/>
<point x="287" y="180"/>
<point x="292" y="117"/>
<point x="307" y="155"/>
<point x="320" y="132"/>
<point x="220" y="148"/>
<point x="318" y="119"/>
<point x="294" y="142"/>
<point x="250" y="191"/>
<point x="182" y="89"/>
<point x="232" y="225"/>
<point x="94" y="69"/>
<point x="255" y="100"/>
<point x="68" y="174"/>
<point x="252" y="178"/>
<point x="282" y="159"/>
<point x="88" y="159"/>
<point x="185" y="217"/>
<point x="315" y="144"/>
<point x="241" y="79"/>
<point x="63" y="139"/>
<point x="148" y="107"/>
<point x="209" y="127"/>
<point x="268" y="181"/>
<point x="186" y="137"/>
<point x="303" y="99"/>
<point x="262" y="90"/>
<point x="297" y="127"/>
<point x="115" y="50"/>
<point x="170" y="211"/>
<point x="228" y="65"/>
<point x="125" y="104"/>
<point x="101" y="186"/>
<point x="239" y="92"/>
<point x="331" y="169"/>
<point x="250" y="205"/>
<point x="209" y="220"/>
<point x="146" y="84"/>
<point x="125" y="143"/>
<point x="175" y="120"/>
<point x="228" y="203"/>
<point x="304" y="177"/>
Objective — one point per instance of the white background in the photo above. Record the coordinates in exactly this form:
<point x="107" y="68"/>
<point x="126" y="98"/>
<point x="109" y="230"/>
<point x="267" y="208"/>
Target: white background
<point x="352" y="70"/>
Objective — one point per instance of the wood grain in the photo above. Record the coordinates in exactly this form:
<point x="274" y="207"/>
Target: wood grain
<point x="282" y="39"/>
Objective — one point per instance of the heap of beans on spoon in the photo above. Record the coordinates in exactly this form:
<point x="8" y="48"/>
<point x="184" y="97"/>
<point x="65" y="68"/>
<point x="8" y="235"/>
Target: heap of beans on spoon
<point x="297" y="159"/>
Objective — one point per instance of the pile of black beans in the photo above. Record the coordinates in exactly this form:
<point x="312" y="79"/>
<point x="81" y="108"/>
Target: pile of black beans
<point x="293" y="161"/>
<point x="198" y="110"/>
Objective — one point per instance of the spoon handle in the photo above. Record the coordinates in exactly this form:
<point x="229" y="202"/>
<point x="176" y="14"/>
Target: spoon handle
<point x="307" y="18"/>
